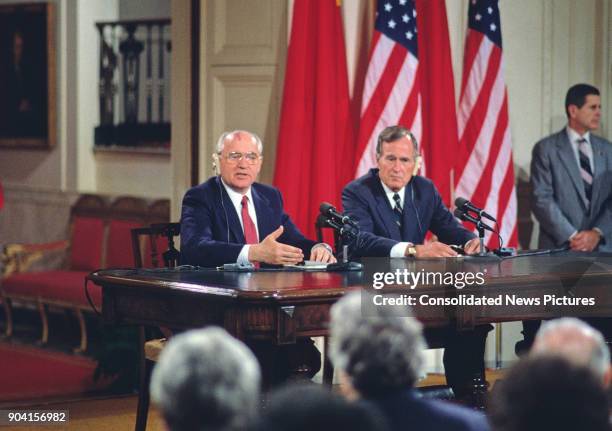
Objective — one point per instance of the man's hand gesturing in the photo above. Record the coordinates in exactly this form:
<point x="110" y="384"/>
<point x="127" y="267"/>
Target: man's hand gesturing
<point x="273" y="252"/>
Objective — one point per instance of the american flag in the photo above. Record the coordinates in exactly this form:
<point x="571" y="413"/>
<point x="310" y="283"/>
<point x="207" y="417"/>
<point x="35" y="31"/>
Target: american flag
<point x="391" y="93"/>
<point x="484" y="173"/>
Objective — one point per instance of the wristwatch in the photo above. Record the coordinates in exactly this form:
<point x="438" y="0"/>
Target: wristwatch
<point x="411" y="250"/>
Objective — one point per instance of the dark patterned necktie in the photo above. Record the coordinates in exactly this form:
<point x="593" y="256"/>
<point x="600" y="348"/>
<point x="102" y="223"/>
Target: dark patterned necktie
<point x="585" y="168"/>
<point x="397" y="210"/>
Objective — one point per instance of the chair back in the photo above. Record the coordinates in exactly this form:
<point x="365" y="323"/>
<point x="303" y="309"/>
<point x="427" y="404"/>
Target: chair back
<point x="125" y="214"/>
<point x="154" y="247"/>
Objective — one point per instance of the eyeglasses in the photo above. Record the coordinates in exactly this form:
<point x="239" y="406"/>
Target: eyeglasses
<point x="234" y="157"/>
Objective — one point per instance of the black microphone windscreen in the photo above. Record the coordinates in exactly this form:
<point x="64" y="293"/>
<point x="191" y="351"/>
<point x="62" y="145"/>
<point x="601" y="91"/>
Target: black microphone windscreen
<point x="325" y="207"/>
<point x="458" y="213"/>
<point x="459" y="202"/>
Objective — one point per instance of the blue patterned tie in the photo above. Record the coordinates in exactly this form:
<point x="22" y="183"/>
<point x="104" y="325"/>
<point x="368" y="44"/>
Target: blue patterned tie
<point x="585" y="168"/>
<point x="397" y="210"/>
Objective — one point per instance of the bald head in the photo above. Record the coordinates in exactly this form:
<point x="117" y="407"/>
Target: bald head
<point x="576" y="341"/>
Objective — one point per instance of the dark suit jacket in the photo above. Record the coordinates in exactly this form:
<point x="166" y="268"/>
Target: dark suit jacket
<point x="558" y="200"/>
<point x="211" y="234"/>
<point x="406" y="411"/>
<point x="365" y="201"/>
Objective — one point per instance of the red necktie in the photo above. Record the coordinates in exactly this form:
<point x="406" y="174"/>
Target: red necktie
<point x="250" y="233"/>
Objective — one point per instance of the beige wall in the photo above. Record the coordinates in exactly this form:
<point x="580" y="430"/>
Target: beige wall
<point x="72" y="165"/>
<point x="242" y="75"/>
<point x="31" y="177"/>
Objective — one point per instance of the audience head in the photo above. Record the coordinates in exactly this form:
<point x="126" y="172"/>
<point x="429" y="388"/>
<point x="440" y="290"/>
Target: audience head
<point x="206" y="380"/>
<point x="380" y="352"/>
<point x="583" y="107"/>
<point x="238" y="159"/>
<point x="313" y="408"/>
<point x="396" y="156"/>
<point x="577" y="342"/>
<point x="548" y="393"/>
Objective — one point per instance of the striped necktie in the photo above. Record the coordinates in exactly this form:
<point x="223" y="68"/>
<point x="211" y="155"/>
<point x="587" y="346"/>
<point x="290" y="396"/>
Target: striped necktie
<point x="397" y="210"/>
<point x="585" y="167"/>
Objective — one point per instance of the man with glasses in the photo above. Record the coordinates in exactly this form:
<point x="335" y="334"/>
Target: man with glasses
<point x="232" y="219"/>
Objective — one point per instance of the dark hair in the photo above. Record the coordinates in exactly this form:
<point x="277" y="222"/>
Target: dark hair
<point x="307" y="407"/>
<point x="392" y="134"/>
<point x="549" y="393"/>
<point x="577" y="94"/>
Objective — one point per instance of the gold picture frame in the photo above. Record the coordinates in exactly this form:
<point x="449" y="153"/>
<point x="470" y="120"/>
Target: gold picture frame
<point x="27" y="76"/>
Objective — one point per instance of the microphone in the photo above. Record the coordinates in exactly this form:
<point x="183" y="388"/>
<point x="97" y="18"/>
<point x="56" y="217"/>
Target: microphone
<point x="466" y="205"/>
<point x="461" y="215"/>
<point x="330" y="211"/>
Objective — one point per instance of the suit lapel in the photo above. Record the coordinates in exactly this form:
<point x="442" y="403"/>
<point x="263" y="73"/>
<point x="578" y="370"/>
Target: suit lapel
<point x="599" y="162"/>
<point x="264" y="215"/>
<point x="232" y="216"/>
<point x="568" y="159"/>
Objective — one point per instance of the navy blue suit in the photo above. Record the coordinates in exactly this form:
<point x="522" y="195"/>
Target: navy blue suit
<point x="406" y="411"/>
<point x="364" y="199"/>
<point x="211" y="234"/>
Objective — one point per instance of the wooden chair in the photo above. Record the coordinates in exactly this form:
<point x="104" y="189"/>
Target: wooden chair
<point x="152" y="247"/>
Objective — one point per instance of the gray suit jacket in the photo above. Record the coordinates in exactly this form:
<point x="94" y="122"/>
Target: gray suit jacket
<point x="558" y="200"/>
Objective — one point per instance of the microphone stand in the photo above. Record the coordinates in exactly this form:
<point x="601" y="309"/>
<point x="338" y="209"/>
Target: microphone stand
<point x="481" y="238"/>
<point x="348" y="231"/>
<point x="482" y="253"/>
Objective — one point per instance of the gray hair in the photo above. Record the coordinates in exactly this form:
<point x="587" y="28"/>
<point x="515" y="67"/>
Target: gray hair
<point x="230" y="135"/>
<point x="381" y="351"/>
<point x="206" y="380"/>
<point x="392" y="134"/>
<point x="576" y="341"/>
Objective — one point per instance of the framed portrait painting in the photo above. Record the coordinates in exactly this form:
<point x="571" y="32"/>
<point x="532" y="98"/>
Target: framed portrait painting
<point x="27" y="76"/>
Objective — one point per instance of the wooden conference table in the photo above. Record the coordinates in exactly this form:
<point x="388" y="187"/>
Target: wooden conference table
<point x="280" y="306"/>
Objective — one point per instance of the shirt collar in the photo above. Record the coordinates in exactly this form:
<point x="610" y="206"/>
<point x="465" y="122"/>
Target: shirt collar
<point x="390" y="192"/>
<point x="575" y="136"/>
<point x="236" y="197"/>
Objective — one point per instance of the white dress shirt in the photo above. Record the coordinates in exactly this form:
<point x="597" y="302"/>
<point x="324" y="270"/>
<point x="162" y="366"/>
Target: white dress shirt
<point x="399" y="249"/>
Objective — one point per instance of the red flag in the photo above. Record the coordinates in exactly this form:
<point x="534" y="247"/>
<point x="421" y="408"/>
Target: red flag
<point x="439" y="142"/>
<point x="485" y="172"/>
<point x="315" y="149"/>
